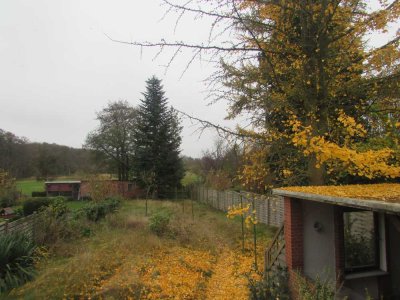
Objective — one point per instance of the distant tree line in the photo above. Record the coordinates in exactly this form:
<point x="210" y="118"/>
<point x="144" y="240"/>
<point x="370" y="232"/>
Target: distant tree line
<point x="23" y="159"/>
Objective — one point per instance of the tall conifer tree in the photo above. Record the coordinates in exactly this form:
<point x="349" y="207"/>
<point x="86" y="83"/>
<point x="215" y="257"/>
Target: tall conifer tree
<point x="158" y="140"/>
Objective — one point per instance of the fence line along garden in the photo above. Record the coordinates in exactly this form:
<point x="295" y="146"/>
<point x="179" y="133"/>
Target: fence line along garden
<point x="24" y="225"/>
<point x="268" y="208"/>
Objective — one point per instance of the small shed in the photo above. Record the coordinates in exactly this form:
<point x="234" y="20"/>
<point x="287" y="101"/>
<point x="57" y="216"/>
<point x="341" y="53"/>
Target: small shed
<point x="67" y="188"/>
<point x="348" y="235"/>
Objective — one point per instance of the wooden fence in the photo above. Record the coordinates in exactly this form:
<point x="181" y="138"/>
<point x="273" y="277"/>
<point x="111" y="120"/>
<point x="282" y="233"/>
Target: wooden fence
<point x="269" y="209"/>
<point x="24" y="225"/>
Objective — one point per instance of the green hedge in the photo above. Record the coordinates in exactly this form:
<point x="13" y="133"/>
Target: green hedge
<point x="34" y="204"/>
<point x="94" y="211"/>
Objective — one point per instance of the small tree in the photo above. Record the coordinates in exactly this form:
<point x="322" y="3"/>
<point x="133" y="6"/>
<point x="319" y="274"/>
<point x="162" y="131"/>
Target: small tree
<point x="113" y="138"/>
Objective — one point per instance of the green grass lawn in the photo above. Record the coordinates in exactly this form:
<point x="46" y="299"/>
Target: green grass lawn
<point x="27" y="186"/>
<point x="75" y="205"/>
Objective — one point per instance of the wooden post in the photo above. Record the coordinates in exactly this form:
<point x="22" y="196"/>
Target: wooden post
<point x="255" y="239"/>
<point x="242" y="217"/>
<point x="192" y="211"/>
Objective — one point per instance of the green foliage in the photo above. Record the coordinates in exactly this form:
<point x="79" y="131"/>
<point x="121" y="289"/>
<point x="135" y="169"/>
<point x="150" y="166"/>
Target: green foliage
<point x="159" y="222"/>
<point x="113" y="140"/>
<point x="190" y="179"/>
<point x="56" y="223"/>
<point x="38" y="194"/>
<point x="272" y="286"/>
<point x="158" y="140"/>
<point x="7" y="201"/>
<point x="7" y="189"/>
<point x="318" y="289"/>
<point x="16" y="260"/>
<point x="34" y="204"/>
<point x="95" y="211"/>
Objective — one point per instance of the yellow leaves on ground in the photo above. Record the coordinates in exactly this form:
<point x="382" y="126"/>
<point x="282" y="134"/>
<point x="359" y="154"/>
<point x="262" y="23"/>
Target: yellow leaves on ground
<point x="231" y="269"/>
<point x="184" y="273"/>
<point x="123" y="260"/>
<point x="388" y="192"/>
<point x="177" y="273"/>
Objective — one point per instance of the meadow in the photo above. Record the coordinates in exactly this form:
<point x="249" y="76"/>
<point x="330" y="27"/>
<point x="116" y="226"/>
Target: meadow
<point x="27" y="186"/>
<point x="187" y="257"/>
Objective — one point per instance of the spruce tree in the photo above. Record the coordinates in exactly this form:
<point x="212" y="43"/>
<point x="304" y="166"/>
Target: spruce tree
<point x="158" y="140"/>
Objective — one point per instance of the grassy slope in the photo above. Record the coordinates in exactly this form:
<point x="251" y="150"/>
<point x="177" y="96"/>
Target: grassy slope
<point x="121" y="258"/>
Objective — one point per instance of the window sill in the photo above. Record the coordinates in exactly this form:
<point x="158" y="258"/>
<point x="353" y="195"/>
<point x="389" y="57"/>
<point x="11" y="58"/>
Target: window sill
<point x="365" y="274"/>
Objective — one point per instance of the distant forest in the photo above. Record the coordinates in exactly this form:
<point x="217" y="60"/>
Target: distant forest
<point x="23" y="159"/>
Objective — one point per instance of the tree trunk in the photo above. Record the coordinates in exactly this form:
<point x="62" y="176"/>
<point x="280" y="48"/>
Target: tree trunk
<point x="315" y="175"/>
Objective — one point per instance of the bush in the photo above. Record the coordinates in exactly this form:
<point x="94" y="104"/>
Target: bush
<point x="54" y="224"/>
<point x="58" y="207"/>
<point x="39" y="194"/>
<point x="16" y="260"/>
<point x="159" y="223"/>
<point x="7" y="201"/>
<point x="315" y="290"/>
<point x="272" y="286"/>
<point x="34" y="204"/>
<point x="95" y="211"/>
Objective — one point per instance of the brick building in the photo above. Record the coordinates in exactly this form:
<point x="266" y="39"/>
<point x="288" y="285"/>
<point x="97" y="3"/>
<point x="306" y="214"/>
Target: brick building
<point x="83" y="189"/>
<point x="352" y="241"/>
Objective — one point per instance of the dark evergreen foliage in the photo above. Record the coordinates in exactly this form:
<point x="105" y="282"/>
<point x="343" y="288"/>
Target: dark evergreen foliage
<point x="157" y="139"/>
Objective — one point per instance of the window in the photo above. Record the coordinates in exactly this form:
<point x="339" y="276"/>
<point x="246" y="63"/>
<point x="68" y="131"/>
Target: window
<point x="364" y="241"/>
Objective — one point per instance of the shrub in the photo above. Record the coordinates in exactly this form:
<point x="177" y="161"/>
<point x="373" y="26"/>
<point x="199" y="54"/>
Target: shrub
<point x="315" y="290"/>
<point x="95" y="211"/>
<point x="272" y="286"/>
<point x="7" y="201"/>
<point x="34" y="204"/>
<point x="39" y="194"/>
<point x="54" y="224"/>
<point x="159" y="223"/>
<point x="16" y="260"/>
<point x="58" y="207"/>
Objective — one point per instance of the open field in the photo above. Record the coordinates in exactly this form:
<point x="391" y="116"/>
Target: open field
<point x="195" y="258"/>
<point x="27" y="186"/>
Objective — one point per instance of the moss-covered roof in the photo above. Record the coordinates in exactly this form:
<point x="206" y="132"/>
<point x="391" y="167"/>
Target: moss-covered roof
<point x="385" y="196"/>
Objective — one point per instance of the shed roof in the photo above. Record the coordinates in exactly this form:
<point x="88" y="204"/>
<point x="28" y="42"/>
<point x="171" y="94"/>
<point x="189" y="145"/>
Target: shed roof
<point x="379" y="197"/>
<point x="63" y="181"/>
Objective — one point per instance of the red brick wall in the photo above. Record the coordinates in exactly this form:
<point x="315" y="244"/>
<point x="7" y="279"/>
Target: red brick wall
<point x="294" y="241"/>
<point x="115" y="188"/>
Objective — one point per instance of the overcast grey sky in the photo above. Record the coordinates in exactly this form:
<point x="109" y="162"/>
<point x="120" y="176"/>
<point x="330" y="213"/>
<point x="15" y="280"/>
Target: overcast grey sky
<point x="57" y="68"/>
